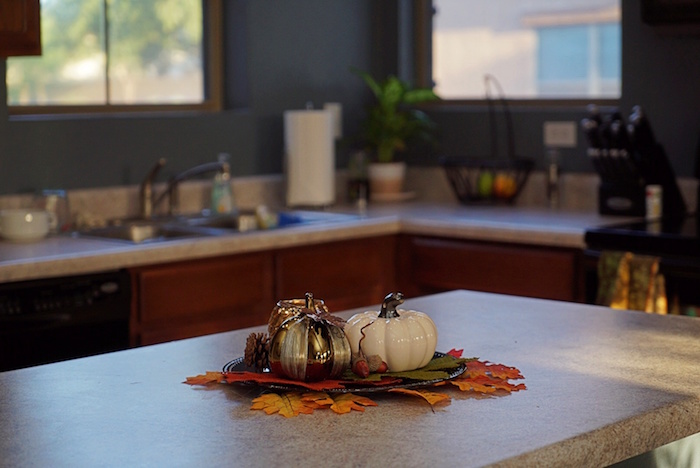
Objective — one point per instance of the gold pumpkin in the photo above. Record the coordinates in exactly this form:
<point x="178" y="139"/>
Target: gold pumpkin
<point x="308" y="347"/>
<point x="291" y="308"/>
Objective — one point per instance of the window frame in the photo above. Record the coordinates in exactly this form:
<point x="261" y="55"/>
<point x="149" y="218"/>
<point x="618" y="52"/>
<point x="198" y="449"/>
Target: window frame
<point x="423" y="12"/>
<point x="213" y="80"/>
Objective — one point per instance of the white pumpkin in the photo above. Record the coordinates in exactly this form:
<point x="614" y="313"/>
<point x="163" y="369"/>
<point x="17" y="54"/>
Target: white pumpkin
<point x="404" y="339"/>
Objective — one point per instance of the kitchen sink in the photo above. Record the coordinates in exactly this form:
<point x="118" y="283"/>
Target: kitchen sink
<point x="145" y="231"/>
<point x="254" y="221"/>
<point x="206" y="225"/>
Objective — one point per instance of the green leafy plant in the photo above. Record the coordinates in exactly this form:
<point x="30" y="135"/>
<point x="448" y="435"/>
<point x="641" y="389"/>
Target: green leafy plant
<point x="392" y="121"/>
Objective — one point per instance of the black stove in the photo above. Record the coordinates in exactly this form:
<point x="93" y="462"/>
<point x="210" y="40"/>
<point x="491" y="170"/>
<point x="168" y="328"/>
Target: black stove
<point x="677" y="237"/>
<point x="675" y="240"/>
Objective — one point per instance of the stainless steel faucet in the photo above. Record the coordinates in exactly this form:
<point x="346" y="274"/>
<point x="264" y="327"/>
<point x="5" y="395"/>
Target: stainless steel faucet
<point x="171" y="191"/>
<point x="146" y="190"/>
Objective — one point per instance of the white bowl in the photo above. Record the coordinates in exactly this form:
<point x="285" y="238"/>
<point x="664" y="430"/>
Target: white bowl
<point x="24" y="225"/>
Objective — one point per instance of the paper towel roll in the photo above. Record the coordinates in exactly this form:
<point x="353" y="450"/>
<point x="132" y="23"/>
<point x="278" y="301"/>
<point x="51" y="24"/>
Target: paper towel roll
<point x="309" y="158"/>
<point x="336" y="109"/>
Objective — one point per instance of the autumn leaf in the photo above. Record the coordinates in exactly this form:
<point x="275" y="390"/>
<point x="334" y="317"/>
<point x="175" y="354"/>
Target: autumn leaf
<point x="485" y="384"/>
<point x="437" y="368"/>
<point x="288" y="405"/>
<point x="348" y="401"/>
<point x="466" y="385"/>
<point x="455" y="353"/>
<point x="270" y="378"/>
<point x="317" y="399"/>
<point x="205" y="379"/>
<point x="431" y="397"/>
<point x="496" y="370"/>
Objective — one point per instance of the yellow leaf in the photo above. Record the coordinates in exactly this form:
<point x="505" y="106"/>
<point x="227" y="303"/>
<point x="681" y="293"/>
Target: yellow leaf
<point x="431" y="397"/>
<point x="348" y="402"/>
<point x="287" y="405"/>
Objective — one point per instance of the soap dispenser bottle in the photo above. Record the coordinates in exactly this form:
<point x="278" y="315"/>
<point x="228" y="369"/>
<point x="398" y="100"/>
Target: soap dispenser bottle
<point x="221" y="193"/>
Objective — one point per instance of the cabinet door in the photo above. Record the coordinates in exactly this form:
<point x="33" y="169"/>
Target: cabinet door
<point x="20" y="31"/>
<point x="345" y="274"/>
<point x="193" y="298"/>
<point x="432" y="265"/>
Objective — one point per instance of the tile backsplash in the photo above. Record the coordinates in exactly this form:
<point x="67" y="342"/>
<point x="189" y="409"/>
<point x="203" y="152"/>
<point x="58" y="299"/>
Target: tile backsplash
<point x="578" y="192"/>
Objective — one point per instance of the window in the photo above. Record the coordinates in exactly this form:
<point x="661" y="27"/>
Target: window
<point x="539" y="49"/>
<point x="120" y="55"/>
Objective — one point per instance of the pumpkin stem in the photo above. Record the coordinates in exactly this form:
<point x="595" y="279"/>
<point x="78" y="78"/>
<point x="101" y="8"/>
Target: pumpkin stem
<point x="391" y="301"/>
<point x="309" y="300"/>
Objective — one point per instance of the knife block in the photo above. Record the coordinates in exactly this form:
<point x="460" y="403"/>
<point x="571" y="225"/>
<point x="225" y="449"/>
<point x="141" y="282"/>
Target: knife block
<point x="625" y="196"/>
<point x="622" y="199"/>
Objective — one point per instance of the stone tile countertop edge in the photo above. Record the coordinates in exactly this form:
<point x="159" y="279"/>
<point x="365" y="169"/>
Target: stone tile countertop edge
<point x="65" y="255"/>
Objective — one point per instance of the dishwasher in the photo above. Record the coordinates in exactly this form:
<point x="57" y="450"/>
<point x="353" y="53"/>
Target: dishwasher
<point x="50" y="320"/>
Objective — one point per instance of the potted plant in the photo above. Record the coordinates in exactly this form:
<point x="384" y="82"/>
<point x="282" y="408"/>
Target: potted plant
<point x="391" y="124"/>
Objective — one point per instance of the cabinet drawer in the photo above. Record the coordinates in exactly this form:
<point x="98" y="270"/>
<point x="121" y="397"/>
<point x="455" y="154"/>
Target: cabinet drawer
<point x="185" y="299"/>
<point x="437" y="264"/>
<point x="344" y="274"/>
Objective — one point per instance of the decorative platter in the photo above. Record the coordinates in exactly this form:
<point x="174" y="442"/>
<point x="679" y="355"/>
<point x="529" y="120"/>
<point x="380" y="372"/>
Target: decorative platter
<point x="355" y="386"/>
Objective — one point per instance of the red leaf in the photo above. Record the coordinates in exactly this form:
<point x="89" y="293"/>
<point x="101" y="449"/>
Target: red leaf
<point x="457" y="353"/>
<point x="268" y="377"/>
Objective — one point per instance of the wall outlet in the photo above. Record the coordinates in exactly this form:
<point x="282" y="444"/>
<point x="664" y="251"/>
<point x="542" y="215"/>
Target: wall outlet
<point x="559" y="134"/>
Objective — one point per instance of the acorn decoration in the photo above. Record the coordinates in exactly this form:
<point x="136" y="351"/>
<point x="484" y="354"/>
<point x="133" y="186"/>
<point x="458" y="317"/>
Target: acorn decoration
<point x="307" y="345"/>
<point x="257" y="351"/>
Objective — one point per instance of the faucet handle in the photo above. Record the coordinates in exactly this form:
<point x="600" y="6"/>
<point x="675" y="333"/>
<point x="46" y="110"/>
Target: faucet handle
<point x="147" y="189"/>
<point x="154" y="170"/>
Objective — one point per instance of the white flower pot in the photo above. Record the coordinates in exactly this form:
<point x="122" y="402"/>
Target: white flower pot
<point x="386" y="177"/>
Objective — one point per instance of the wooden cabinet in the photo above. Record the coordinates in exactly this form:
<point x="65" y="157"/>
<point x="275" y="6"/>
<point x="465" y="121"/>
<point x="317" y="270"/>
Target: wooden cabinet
<point x="433" y="264"/>
<point x="20" y="30"/>
<point x="185" y="299"/>
<point x="344" y="274"/>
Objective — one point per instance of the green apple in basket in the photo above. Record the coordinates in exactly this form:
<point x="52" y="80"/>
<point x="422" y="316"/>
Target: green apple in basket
<point x="484" y="184"/>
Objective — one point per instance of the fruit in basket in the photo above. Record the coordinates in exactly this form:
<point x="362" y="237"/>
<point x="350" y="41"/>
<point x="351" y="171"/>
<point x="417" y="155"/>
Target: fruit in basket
<point x="504" y="185"/>
<point x="309" y="346"/>
<point x="485" y="184"/>
<point x="403" y="339"/>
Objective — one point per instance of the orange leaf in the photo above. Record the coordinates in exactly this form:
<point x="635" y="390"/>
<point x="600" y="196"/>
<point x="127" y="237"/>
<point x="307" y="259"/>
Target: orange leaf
<point x="317" y="399"/>
<point x="347" y="402"/>
<point x="485" y="384"/>
<point x="496" y="370"/>
<point x="205" y="379"/>
<point x="431" y="397"/>
<point x="287" y="405"/>
<point x="466" y="385"/>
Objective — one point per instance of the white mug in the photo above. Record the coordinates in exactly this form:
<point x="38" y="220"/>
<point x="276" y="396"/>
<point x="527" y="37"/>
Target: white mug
<point x="23" y="225"/>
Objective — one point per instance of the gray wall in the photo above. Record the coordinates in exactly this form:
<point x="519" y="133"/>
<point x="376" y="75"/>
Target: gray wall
<point x="295" y="52"/>
<point x="299" y="51"/>
<point x="660" y="72"/>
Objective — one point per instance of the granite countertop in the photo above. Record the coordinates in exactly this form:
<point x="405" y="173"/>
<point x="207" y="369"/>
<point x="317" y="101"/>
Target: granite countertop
<point x="65" y="255"/>
<point x="602" y="386"/>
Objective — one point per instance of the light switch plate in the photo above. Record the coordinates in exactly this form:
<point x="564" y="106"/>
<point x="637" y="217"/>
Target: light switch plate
<point x="559" y="134"/>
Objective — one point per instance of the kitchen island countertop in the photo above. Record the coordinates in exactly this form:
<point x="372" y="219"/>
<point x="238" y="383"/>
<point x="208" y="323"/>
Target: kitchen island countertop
<point x="65" y="255"/>
<point x="602" y="386"/>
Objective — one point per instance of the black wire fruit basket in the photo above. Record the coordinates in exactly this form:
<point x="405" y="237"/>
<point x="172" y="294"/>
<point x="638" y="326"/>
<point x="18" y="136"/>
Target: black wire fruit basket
<point x="490" y="180"/>
<point x="481" y="180"/>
